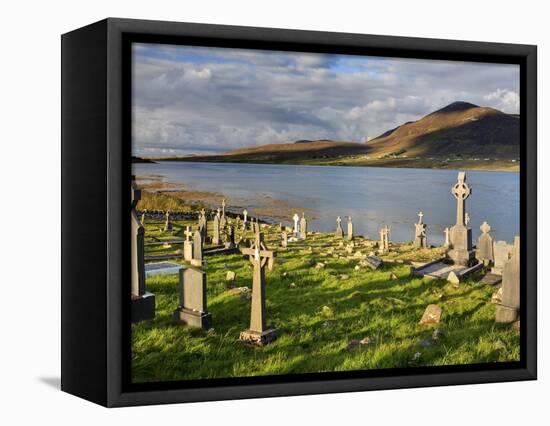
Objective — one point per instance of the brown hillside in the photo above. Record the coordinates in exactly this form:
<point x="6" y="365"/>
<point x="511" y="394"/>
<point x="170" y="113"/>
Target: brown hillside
<point x="300" y="149"/>
<point x="459" y="128"/>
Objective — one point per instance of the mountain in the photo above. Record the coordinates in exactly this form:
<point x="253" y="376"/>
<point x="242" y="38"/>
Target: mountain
<point x="460" y="135"/>
<point x="459" y="129"/>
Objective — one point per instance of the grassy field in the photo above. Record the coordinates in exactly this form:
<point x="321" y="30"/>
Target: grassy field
<point x="321" y="316"/>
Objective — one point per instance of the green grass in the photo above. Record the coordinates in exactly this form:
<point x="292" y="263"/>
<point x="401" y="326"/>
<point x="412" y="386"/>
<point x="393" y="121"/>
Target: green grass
<point x="316" y="314"/>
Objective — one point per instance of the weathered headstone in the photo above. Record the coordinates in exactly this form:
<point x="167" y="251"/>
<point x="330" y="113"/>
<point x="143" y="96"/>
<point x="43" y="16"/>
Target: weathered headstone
<point x="501" y="254"/>
<point x="447" y="243"/>
<point x="373" y="262"/>
<point x="258" y="333"/>
<point x="197" y="249"/>
<point x="203" y="225"/>
<point x="142" y="221"/>
<point x="384" y="245"/>
<point x="339" y="231"/>
<point x="142" y="302"/>
<point x="296" y="218"/>
<point x="192" y="309"/>
<point x="284" y="239"/>
<point x="303" y="227"/>
<point x="216" y="230"/>
<point x="230" y="243"/>
<point x="188" y="244"/>
<point x="245" y="218"/>
<point x="485" y="245"/>
<point x="223" y="208"/>
<point x="508" y="309"/>
<point x="461" y="252"/>
<point x="167" y="223"/>
<point x="420" y="238"/>
<point x="432" y="315"/>
<point x="350" y="229"/>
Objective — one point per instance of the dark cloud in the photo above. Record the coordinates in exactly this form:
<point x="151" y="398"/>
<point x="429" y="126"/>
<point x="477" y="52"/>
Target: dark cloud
<point x="190" y="99"/>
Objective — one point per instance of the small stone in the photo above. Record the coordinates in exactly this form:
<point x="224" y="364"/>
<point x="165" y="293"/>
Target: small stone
<point x="357" y="267"/>
<point x="393" y="276"/>
<point x="285" y="274"/>
<point x="292" y="285"/>
<point x="453" y="279"/>
<point x="416" y="356"/>
<point x="239" y="290"/>
<point x="497" y="296"/>
<point x="320" y="265"/>
<point x="344" y="277"/>
<point x="426" y="343"/>
<point x="365" y="341"/>
<point x="437" y="334"/>
<point x="326" y="311"/>
<point x="230" y="276"/>
<point x="432" y="315"/>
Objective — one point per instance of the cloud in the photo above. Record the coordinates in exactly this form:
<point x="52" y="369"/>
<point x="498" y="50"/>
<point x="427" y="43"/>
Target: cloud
<point x="194" y="99"/>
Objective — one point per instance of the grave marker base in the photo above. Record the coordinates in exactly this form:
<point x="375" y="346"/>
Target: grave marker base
<point x="143" y="307"/>
<point x="193" y="318"/>
<point x="258" y="338"/>
<point x="506" y="314"/>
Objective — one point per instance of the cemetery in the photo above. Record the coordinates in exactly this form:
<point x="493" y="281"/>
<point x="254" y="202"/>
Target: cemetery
<point x="218" y="292"/>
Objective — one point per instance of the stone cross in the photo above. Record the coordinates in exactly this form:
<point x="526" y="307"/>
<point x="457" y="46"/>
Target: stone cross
<point x="230" y="243"/>
<point x="142" y="302"/>
<point x="142" y="221"/>
<point x="350" y="229"/>
<point x="258" y="333"/>
<point x="216" y="231"/>
<point x="462" y="252"/>
<point x="303" y="227"/>
<point x="218" y="213"/>
<point x="188" y="244"/>
<point x="192" y="309"/>
<point x="501" y="254"/>
<point x="167" y="223"/>
<point x="420" y="238"/>
<point x="245" y="216"/>
<point x="485" y="245"/>
<point x="339" y="231"/>
<point x="203" y="225"/>
<point x="508" y="309"/>
<point x="296" y="218"/>
<point x="223" y="207"/>
<point x="197" y="249"/>
<point x="461" y="191"/>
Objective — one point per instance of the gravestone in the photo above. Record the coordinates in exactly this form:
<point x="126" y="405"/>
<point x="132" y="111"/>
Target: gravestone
<point x="339" y="231"/>
<point x="420" y="238"/>
<point x="142" y="302"/>
<point x="303" y="227"/>
<point x="223" y="222"/>
<point x="192" y="309"/>
<point x="142" y="221"/>
<point x="384" y="239"/>
<point x="508" y="309"/>
<point x="350" y="229"/>
<point x="485" y="245"/>
<point x="284" y="239"/>
<point x="258" y="333"/>
<point x="167" y="223"/>
<point x="237" y="222"/>
<point x="432" y="315"/>
<point x="188" y="244"/>
<point x="374" y="262"/>
<point x="245" y="216"/>
<point x="197" y="249"/>
<point x="223" y="208"/>
<point x="252" y="228"/>
<point x="296" y="218"/>
<point x="203" y="225"/>
<point x="230" y="243"/>
<point x="501" y="254"/>
<point x="447" y="243"/>
<point x="461" y="252"/>
<point x="216" y="231"/>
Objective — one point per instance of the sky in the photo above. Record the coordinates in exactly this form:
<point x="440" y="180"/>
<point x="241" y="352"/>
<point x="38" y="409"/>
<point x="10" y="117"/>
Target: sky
<point x="203" y="100"/>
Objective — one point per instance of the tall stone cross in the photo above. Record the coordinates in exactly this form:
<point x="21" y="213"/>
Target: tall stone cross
<point x="461" y="191"/>
<point x="245" y="216"/>
<point x="420" y="216"/>
<point x="188" y="244"/>
<point x="303" y="227"/>
<point x="223" y="207"/>
<point x="350" y="228"/>
<point x="339" y="231"/>
<point x="295" y="218"/>
<point x="218" y="213"/>
<point x="259" y="255"/>
<point x="167" y="224"/>
<point x="188" y="233"/>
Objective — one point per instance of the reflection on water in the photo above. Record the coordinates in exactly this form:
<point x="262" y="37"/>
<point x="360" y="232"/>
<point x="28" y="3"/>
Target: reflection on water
<point x="372" y="196"/>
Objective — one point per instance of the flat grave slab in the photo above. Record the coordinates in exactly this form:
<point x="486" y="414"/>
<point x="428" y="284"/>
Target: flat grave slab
<point x="491" y="279"/>
<point x="162" y="268"/>
<point x="440" y="270"/>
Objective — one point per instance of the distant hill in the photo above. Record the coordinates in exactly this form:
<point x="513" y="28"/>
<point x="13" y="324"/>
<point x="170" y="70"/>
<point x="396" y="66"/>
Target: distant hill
<point x="460" y="135"/>
<point x="459" y="128"/>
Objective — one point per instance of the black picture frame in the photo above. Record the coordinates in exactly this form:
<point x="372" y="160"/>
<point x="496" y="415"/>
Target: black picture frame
<point x="96" y="173"/>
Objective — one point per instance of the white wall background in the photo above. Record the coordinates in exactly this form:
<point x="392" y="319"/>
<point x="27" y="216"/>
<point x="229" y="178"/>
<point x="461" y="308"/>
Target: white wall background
<point x="30" y="210"/>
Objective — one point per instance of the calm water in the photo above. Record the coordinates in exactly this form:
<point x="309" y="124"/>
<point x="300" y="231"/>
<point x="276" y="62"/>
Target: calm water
<point x="372" y="196"/>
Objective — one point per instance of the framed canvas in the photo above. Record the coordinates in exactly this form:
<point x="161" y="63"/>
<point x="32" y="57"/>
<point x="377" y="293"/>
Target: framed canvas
<point x="254" y="212"/>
